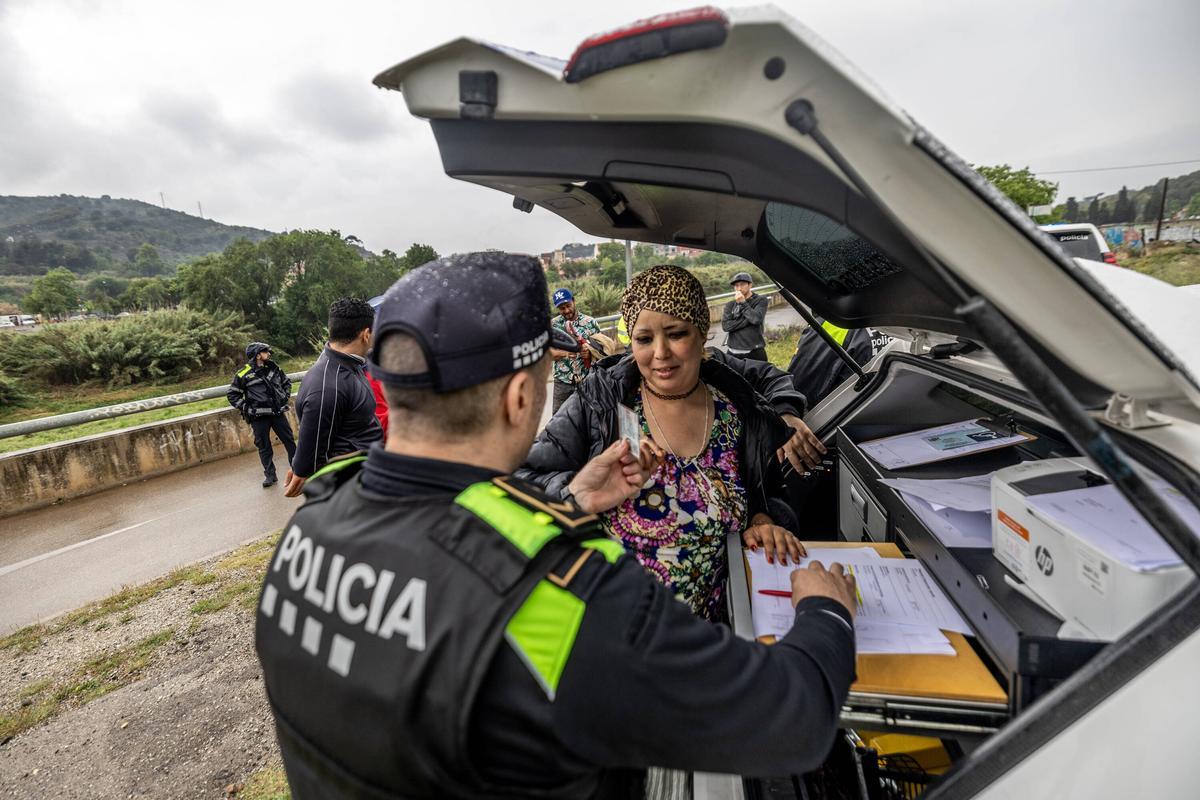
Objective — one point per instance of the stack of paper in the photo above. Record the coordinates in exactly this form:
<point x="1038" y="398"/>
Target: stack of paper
<point x="1101" y="516"/>
<point x="900" y="608"/>
<point x="957" y="511"/>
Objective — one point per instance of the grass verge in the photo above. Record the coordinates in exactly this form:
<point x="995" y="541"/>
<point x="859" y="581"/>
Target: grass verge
<point x="95" y="678"/>
<point x="269" y="783"/>
<point x="236" y="577"/>
<point x="1177" y="264"/>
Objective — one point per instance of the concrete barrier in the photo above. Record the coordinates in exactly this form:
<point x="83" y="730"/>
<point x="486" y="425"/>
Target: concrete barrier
<point x="45" y="475"/>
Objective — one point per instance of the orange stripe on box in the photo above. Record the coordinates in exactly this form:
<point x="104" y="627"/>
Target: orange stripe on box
<point x="1012" y="523"/>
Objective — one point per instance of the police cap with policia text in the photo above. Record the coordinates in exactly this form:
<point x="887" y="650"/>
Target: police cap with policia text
<point x="476" y="317"/>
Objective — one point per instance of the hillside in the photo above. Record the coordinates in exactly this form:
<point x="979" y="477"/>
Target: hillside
<point x="89" y="234"/>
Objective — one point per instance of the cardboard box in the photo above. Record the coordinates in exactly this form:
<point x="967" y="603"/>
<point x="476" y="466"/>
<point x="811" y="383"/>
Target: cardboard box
<point x="1097" y="595"/>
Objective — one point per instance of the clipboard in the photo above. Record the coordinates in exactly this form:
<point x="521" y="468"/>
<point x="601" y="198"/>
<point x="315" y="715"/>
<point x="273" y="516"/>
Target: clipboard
<point x="944" y="442"/>
<point x="926" y="694"/>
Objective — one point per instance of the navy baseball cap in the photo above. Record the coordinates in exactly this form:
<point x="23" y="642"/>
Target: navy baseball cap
<point x="562" y="296"/>
<point x="476" y="317"/>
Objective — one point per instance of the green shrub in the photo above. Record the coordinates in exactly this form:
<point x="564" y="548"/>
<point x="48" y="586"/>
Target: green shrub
<point x="11" y="393"/>
<point x="162" y="345"/>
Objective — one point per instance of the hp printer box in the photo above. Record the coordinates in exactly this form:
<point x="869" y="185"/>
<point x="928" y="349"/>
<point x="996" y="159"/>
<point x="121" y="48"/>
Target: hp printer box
<point x="1095" y="593"/>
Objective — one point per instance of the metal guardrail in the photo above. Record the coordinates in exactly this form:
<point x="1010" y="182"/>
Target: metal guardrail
<point x="119" y="410"/>
<point x="40" y="424"/>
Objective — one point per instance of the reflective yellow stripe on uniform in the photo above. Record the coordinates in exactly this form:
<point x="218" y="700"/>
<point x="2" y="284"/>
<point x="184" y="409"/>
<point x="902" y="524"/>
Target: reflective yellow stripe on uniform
<point x="838" y="334"/>
<point x="611" y="549"/>
<point x="243" y="371"/>
<point x="334" y="466"/>
<point x="527" y="530"/>
<point x="543" y="631"/>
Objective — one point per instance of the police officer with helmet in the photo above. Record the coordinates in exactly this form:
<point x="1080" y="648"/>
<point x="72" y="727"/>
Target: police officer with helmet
<point x="431" y="627"/>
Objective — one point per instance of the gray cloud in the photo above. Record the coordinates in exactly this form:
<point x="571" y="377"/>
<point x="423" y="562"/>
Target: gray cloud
<point x="343" y="107"/>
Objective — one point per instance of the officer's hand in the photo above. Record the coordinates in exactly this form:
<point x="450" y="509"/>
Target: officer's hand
<point x="834" y="583"/>
<point x="804" y="449"/>
<point x="293" y="484"/>
<point x="608" y="479"/>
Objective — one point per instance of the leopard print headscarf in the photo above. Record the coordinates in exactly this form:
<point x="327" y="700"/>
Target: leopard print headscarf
<point x="668" y="290"/>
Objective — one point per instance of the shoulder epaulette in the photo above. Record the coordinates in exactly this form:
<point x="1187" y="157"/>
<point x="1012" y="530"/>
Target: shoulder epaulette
<point x="567" y="516"/>
<point x="328" y="478"/>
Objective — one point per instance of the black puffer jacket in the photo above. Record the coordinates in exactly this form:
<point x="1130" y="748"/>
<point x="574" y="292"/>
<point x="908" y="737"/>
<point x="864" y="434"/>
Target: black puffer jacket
<point x="587" y="422"/>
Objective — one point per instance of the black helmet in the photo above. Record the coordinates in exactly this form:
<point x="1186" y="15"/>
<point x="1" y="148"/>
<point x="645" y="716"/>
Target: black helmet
<point x="254" y="348"/>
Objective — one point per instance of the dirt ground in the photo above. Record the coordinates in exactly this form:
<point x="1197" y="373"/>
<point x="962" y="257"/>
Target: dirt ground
<point x="153" y="693"/>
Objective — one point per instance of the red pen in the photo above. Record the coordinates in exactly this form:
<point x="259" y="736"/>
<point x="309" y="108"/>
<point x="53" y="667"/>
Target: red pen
<point x="774" y="592"/>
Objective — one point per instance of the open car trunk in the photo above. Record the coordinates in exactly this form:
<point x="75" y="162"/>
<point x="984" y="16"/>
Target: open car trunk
<point x="870" y="221"/>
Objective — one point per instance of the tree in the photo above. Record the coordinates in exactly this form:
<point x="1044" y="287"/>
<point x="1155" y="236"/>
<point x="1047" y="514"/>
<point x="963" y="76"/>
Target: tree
<point x="147" y="262"/>
<point x="101" y="294"/>
<point x="418" y="254"/>
<point x="1193" y="206"/>
<point x="53" y="294"/>
<point x="1093" y="212"/>
<point x="1072" y="212"/>
<point x="320" y="268"/>
<point x="1020" y="185"/>
<point x="147" y="294"/>
<point x="612" y="251"/>
<point x="242" y="279"/>
<point x="381" y="272"/>
<point x="1123" y="210"/>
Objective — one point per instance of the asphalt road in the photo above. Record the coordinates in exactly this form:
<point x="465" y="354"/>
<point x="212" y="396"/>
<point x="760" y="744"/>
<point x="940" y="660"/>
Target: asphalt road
<point x="59" y="558"/>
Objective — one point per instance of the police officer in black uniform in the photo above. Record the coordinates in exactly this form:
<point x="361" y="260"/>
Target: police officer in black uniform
<point x="261" y="390"/>
<point x="430" y="627"/>
<point x="817" y="370"/>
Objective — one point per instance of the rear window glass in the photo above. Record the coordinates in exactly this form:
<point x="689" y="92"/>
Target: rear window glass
<point x="1079" y="244"/>
<point x="834" y="254"/>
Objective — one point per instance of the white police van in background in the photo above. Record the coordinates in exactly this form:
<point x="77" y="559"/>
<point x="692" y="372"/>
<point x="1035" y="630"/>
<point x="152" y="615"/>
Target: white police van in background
<point x="742" y="132"/>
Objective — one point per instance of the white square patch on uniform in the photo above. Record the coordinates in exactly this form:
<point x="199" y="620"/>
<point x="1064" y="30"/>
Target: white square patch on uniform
<point x="270" y="595"/>
<point x="341" y="653"/>
<point x="310" y="640"/>
<point x="287" y="617"/>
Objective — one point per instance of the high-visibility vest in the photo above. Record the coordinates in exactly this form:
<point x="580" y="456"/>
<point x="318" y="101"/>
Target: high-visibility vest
<point x="623" y="332"/>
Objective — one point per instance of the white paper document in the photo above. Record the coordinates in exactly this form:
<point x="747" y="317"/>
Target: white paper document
<point x="953" y="527"/>
<point x="1101" y="516"/>
<point x="888" y="638"/>
<point x="938" y="444"/>
<point x="892" y="591"/>
<point x="973" y="493"/>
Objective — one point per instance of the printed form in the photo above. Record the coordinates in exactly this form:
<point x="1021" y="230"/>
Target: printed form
<point x="900" y="607"/>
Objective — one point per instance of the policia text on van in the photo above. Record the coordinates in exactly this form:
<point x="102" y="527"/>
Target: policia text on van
<point x="430" y="628"/>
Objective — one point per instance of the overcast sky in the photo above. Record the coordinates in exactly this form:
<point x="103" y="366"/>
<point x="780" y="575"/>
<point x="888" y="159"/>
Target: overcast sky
<point x="265" y="112"/>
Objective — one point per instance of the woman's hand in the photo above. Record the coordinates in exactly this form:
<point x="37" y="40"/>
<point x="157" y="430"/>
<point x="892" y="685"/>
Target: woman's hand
<point x="776" y="542"/>
<point x="804" y="449"/>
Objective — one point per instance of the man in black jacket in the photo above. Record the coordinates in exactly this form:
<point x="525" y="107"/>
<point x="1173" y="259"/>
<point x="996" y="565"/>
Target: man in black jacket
<point x="335" y="405"/>
<point x="744" y="318"/>
<point x="429" y="627"/>
<point x="262" y="391"/>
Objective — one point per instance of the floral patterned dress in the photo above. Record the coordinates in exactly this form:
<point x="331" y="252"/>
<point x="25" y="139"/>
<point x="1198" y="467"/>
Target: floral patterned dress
<point x="676" y="526"/>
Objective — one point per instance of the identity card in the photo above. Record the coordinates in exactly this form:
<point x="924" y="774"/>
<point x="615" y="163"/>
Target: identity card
<point x="631" y="431"/>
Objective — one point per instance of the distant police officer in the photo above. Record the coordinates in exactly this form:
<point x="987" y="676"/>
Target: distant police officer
<point x="431" y="628"/>
<point x="261" y="390"/>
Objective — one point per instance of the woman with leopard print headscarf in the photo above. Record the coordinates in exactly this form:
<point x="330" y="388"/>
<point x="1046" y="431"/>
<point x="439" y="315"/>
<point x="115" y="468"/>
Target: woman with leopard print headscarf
<point x="720" y="425"/>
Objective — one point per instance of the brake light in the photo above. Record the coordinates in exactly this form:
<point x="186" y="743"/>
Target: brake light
<point x="1110" y="258"/>
<point x="656" y="37"/>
